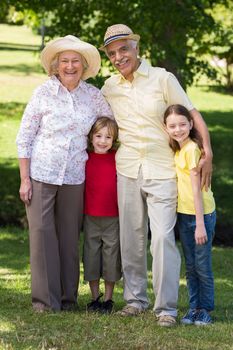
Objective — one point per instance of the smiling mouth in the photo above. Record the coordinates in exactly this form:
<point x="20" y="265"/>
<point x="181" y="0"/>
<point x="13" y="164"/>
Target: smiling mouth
<point x="122" y="63"/>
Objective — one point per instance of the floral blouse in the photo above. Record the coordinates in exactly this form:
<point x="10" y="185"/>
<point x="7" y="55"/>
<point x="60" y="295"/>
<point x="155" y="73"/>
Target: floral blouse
<point x="54" y="129"/>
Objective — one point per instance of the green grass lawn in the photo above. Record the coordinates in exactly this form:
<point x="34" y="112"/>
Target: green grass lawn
<point x="21" y="328"/>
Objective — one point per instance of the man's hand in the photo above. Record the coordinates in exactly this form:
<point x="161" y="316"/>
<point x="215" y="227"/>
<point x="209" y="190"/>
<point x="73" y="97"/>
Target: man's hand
<point x="205" y="169"/>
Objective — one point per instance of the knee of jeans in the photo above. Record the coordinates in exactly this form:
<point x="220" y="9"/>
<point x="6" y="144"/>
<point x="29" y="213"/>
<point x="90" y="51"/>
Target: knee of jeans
<point x="204" y="270"/>
<point x="190" y="267"/>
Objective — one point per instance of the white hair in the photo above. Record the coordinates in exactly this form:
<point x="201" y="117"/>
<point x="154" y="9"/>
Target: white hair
<point x="132" y="43"/>
<point x="53" y="69"/>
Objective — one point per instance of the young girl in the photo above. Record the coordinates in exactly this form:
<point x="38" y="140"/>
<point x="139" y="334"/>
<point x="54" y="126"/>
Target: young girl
<point x="101" y="226"/>
<point x="196" y="215"/>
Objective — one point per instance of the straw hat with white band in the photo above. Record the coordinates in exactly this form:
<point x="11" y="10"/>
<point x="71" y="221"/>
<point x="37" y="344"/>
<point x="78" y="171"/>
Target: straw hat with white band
<point x="118" y="32"/>
<point x="67" y="43"/>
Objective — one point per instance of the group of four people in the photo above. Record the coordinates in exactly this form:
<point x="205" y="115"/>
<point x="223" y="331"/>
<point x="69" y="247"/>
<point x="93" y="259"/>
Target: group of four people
<point x="52" y="147"/>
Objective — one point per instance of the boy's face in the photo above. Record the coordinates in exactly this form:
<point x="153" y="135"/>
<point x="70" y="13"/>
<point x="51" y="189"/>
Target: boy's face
<point x="102" y="141"/>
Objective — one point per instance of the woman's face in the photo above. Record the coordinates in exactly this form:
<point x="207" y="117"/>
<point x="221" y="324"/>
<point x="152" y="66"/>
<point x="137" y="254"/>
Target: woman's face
<point x="70" y="69"/>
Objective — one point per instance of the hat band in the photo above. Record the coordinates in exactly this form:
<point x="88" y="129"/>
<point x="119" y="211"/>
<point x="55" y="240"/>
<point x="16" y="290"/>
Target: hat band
<point x="114" y="37"/>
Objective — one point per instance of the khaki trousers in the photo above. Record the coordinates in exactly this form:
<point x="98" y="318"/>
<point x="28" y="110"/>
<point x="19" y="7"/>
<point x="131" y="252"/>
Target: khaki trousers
<point x="55" y="219"/>
<point x="138" y="199"/>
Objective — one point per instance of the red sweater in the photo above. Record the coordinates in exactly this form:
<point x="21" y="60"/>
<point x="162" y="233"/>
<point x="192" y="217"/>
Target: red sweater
<point x="101" y="185"/>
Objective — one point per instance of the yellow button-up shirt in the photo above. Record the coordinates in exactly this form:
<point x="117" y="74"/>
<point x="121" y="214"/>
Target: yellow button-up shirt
<point x="138" y="108"/>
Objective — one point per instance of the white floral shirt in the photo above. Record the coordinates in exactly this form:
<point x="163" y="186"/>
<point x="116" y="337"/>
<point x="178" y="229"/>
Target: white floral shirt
<point x="54" y="129"/>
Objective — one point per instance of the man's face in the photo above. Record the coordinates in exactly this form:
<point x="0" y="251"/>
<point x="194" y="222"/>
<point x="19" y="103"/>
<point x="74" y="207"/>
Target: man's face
<point x="123" y="55"/>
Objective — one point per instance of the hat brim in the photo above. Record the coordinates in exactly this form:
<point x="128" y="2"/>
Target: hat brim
<point x="118" y="37"/>
<point x="88" y="51"/>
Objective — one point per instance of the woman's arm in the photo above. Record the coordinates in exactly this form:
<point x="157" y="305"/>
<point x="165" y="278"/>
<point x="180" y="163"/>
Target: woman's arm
<point x="205" y="163"/>
<point x="25" y="190"/>
<point x="200" y="232"/>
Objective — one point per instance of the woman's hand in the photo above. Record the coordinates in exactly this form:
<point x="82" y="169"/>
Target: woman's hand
<point x="25" y="190"/>
<point x="200" y="235"/>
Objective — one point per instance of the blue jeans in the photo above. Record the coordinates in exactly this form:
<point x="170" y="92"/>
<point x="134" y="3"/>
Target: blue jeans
<point x="198" y="261"/>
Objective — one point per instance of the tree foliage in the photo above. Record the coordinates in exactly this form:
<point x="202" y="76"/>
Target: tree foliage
<point x="222" y="42"/>
<point x="174" y="34"/>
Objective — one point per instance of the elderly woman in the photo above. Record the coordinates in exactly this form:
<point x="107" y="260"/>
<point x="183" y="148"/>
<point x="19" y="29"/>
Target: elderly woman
<point x="52" y="144"/>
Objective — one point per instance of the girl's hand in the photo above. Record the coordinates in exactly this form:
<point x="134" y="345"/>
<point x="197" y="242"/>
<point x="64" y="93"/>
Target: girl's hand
<point x="25" y="190"/>
<point x="200" y="235"/>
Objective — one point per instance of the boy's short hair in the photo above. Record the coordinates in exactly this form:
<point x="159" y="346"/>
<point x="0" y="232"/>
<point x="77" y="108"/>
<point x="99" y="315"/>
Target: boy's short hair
<point x="100" y="123"/>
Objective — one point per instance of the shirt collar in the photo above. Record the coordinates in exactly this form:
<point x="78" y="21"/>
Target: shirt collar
<point x="143" y="69"/>
<point x="56" y="85"/>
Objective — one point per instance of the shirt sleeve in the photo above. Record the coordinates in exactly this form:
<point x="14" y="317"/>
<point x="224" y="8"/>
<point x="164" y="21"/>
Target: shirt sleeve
<point x="29" y="126"/>
<point x="103" y="108"/>
<point x="192" y="157"/>
<point x="175" y="94"/>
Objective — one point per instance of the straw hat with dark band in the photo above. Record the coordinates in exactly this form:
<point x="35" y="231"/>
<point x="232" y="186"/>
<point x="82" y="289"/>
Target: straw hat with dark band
<point x="67" y="43"/>
<point x="118" y="32"/>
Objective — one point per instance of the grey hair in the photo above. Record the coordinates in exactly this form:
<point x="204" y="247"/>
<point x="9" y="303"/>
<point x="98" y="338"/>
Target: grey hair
<point x="53" y="69"/>
<point x="133" y="43"/>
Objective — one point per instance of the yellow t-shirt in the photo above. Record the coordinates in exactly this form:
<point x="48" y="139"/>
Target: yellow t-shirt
<point x="186" y="159"/>
<point x="138" y="108"/>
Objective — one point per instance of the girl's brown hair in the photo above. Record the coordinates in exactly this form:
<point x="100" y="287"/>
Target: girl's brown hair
<point x="194" y="134"/>
<point x="100" y="123"/>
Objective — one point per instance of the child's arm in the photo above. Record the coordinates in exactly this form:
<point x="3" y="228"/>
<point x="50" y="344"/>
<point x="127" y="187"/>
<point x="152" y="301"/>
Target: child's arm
<point x="200" y="232"/>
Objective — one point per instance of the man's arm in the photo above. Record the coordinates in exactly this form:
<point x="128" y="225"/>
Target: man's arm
<point x="205" y="163"/>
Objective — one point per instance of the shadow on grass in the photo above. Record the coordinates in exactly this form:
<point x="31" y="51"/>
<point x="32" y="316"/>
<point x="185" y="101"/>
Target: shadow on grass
<point x="11" y="110"/>
<point x="14" y="248"/>
<point x="220" y="125"/>
<point x="217" y="88"/>
<point x="22" y="68"/>
<point x="12" y="210"/>
<point x="16" y="46"/>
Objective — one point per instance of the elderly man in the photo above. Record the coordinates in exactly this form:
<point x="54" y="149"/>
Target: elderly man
<point x="147" y="187"/>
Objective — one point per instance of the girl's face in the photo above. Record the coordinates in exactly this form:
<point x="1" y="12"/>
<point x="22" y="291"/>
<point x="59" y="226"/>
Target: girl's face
<point x="102" y="141"/>
<point x="178" y="127"/>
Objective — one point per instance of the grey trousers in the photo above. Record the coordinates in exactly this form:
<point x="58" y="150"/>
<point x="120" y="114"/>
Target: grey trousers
<point x="138" y="199"/>
<point x="55" y="218"/>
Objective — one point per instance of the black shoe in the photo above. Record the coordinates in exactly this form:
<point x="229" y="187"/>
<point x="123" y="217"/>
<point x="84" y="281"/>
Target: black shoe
<point x="107" y="307"/>
<point x="69" y="306"/>
<point x="95" y="305"/>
